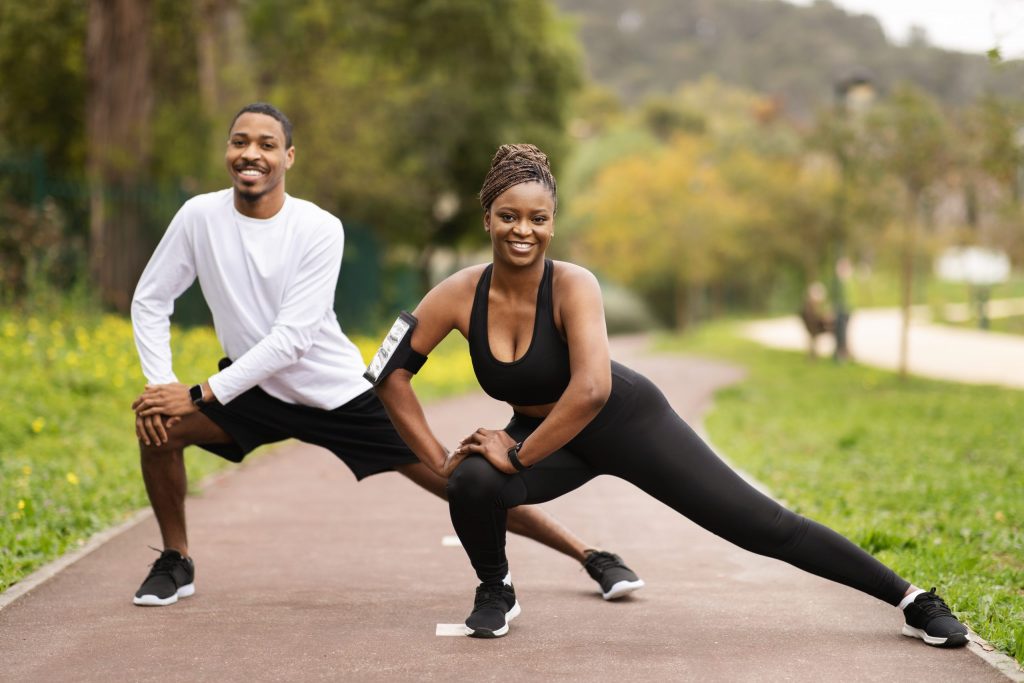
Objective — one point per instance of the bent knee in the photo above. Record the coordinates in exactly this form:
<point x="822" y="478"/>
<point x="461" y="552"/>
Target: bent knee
<point x="474" y="480"/>
<point x="163" y="450"/>
<point x="174" y="444"/>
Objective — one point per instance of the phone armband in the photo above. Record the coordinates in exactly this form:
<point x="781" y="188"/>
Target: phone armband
<point x="395" y="351"/>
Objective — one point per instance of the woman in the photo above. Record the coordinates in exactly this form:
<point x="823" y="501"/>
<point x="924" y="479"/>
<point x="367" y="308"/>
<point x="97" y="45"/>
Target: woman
<point x="537" y="338"/>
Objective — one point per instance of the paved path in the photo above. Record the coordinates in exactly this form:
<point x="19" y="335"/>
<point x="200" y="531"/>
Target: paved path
<point x="937" y="351"/>
<point x="305" y="575"/>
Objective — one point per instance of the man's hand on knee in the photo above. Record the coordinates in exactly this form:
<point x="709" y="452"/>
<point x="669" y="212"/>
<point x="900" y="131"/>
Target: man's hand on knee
<point x="172" y="400"/>
<point x="151" y="430"/>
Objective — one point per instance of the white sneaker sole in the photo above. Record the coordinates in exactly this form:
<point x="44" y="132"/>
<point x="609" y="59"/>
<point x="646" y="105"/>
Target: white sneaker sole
<point x="936" y="641"/>
<point x="509" y="616"/>
<point x="153" y="601"/>
<point x="623" y="588"/>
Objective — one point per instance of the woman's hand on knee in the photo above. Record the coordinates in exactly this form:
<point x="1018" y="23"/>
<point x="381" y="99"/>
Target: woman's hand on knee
<point x="453" y="460"/>
<point x="493" y="444"/>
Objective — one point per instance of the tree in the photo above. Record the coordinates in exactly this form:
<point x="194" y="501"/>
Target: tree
<point x="119" y="104"/>
<point x="43" y="84"/>
<point x="405" y="124"/>
<point x="222" y="52"/>
<point x="910" y="137"/>
<point x="664" y="221"/>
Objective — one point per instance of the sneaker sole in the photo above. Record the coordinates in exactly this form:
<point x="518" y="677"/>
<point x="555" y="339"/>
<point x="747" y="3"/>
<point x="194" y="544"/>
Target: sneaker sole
<point x="956" y="640"/>
<point x="485" y="633"/>
<point x="623" y="588"/>
<point x="153" y="601"/>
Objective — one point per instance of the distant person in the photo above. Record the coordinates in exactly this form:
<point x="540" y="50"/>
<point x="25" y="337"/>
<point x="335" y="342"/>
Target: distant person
<point x="268" y="266"/>
<point x="537" y="337"/>
<point x="816" y="318"/>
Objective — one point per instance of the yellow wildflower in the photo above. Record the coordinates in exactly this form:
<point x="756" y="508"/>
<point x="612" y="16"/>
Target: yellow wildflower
<point x="72" y="479"/>
<point x="26" y="470"/>
<point x="82" y="337"/>
<point x="38" y="424"/>
<point x="21" y="504"/>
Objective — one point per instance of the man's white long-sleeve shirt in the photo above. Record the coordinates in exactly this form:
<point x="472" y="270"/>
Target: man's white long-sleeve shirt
<point x="270" y="286"/>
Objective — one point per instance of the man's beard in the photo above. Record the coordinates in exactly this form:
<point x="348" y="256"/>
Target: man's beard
<point x="251" y="196"/>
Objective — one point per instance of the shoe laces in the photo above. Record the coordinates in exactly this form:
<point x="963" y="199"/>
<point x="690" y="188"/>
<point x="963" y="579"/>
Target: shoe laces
<point x="932" y="605"/>
<point x="490" y="595"/>
<point x="600" y="560"/>
<point x="163" y="564"/>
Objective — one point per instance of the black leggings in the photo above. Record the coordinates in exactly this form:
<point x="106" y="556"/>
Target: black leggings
<point x="638" y="437"/>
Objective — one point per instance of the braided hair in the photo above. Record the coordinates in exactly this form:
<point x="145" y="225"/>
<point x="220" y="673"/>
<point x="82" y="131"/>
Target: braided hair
<point x="515" y="164"/>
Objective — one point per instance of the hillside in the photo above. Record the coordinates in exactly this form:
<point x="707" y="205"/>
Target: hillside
<point x="637" y="47"/>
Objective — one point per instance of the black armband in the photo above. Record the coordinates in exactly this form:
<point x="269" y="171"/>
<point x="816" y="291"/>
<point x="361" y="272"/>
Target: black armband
<point x="395" y="351"/>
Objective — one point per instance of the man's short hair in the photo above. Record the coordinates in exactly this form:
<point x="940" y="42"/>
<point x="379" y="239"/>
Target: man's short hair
<point x="271" y="111"/>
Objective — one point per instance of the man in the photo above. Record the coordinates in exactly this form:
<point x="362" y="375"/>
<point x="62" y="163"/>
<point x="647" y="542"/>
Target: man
<point x="268" y="265"/>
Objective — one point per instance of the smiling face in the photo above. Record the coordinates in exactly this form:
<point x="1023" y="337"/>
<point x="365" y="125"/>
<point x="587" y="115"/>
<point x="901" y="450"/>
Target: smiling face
<point x="257" y="159"/>
<point x="521" y="222"/>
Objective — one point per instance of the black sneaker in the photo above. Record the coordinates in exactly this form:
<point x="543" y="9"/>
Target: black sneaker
<point x="615" y="578"/>
<point x="929" y="619"/>
<point x="171" y="577"/>
<point x="495" y="605"/>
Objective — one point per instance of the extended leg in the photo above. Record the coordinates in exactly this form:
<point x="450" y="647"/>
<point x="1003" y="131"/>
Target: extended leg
<point x="673" y="464"/>
<point x="677" y="467"/>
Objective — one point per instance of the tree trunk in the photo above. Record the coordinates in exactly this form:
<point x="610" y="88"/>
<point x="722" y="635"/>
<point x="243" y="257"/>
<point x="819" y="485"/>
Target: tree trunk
<point x="423" y="264"/>
<point x="907" y="276"/>
<point x="118" y="108"/>
<point x="225" y="84"/>
<point x="682" y="304"/>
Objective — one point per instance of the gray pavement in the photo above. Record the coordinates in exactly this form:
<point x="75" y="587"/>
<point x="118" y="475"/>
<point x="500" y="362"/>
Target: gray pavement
<point x="936" y="351"/>
<point x="304" y="575"/>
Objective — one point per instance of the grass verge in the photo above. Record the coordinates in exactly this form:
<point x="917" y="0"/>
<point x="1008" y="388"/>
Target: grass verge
<point x="69" y="464"/>
<point x="1009" y="325"/>
<point x="925" y="475"/>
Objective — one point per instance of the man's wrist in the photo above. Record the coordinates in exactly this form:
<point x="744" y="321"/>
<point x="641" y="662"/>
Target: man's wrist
<point x="208" y="395"/>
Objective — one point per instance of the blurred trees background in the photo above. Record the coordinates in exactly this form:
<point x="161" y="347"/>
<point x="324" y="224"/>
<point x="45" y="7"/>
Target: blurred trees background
<point x="398" y="107"/>
<point x="705" y="158"/>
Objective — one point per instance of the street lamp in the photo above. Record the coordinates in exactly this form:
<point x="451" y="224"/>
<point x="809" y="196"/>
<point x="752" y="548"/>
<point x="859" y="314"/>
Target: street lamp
<point x="854" y="94"/>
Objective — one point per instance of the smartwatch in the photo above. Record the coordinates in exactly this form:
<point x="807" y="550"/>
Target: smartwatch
<point x="195" y="392"/>
<point x="513" y="457"/>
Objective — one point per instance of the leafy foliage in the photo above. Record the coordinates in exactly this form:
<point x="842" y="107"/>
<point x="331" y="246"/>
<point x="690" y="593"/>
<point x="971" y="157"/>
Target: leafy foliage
<point x="399" y="118"/>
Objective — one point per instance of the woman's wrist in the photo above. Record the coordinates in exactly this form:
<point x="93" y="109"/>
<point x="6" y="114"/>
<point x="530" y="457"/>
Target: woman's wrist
<point x="513" y="457"/>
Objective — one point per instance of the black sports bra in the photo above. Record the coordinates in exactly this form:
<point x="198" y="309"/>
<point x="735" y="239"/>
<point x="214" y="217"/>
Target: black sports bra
<point x="542" y="373"/>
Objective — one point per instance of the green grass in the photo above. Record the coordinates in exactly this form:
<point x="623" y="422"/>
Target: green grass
<point x="926" y="475"/>
<point x="882" y="288"/>
<point x="1013" y="324"/>
<point x="69" y="464"/>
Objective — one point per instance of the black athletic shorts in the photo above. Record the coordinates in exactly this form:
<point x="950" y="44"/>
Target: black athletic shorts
<point x="358" y="432"/>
